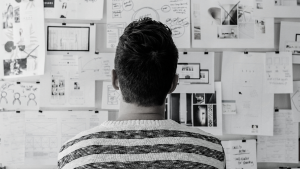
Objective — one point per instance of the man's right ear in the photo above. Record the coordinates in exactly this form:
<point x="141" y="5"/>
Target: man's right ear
<point x="114" y="79"/>
<point x="174" y="83"/>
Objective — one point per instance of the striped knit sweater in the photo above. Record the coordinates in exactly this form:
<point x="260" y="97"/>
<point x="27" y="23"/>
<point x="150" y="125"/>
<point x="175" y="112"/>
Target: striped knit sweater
<point x="142" y="144"/>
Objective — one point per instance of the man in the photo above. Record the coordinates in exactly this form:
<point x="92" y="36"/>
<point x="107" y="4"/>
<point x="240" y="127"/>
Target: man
<point x="145" y="72"/>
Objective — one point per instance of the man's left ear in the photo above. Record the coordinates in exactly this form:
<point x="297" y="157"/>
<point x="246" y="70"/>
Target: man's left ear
<point x="114" y="79"/>
<point x="174" y="83"/>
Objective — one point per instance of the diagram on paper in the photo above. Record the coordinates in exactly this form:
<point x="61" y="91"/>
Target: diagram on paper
<point x="175" y="14"/>
<point x="15" y="96"/>
<point x="96" y="67"/>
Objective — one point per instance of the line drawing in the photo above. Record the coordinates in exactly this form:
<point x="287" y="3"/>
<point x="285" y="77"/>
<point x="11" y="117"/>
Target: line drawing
<point x="31" y="98"/>
<point x="17" y="98"/>
<point x="3" y="96"/>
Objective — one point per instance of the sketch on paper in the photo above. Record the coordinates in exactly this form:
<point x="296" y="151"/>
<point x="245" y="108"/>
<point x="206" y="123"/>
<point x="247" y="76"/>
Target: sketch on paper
<point x="22" y="50"/>
<point x="76" y="89"/>
<point x="16" y="96"/>
<point x="175" y="14"/>
<point x="96" y="67"/>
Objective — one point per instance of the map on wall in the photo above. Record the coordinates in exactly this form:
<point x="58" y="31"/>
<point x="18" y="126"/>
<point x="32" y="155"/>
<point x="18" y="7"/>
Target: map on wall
<point x="22" y="42"/>
<point x="175" y="14"/>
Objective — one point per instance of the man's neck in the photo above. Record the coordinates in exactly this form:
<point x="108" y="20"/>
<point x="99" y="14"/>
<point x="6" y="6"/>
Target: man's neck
<point x="133" y="112"/>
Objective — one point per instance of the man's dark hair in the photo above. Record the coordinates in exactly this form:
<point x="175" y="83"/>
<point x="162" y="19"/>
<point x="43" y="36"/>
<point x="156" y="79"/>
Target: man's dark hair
<point x="145" y="63"/>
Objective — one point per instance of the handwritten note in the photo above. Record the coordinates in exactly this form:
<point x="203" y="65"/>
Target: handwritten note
<point x="295" y="101"/>
<point x="283" y="147"/>
<point x="240" y="154"/>
<point x="278" y="72"/>
<point x="229" y="106"/>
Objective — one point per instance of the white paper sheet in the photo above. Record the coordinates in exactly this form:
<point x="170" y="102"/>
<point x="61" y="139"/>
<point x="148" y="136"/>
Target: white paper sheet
<point x="229" y="24"/>
<point x="242" y="81"/>
<point x="279" y="72"/>
<point x="110" y="97"/>
<point x="295" y="101"/>
<point x="74" y="9"/>
<point x="278" y="8"/>
<point x="19" y="96"/>
<point x="283" y="147"/>
<point x="175" y="14"/>
<point x="240" y="154"/>
<point x="196" y="73"/>
<point x="290" y="38"/>
<point x="228" y="106"/>
<point x="62" y="86"/>
<point x="96" y="67"/>
<point x="22" y="38"/>
<point x="13" y="138"/>
<point x="34" y="138"/>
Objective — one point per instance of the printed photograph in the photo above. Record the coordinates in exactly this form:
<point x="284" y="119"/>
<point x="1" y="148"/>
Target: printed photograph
<point x="198" y="98"/>
<point x="197" y="23"/>
<point x="260" y="26"/>
<point x="205" y="115"/>
<point x="8" y="17"/>
<point x="188" y="70"/>
<point x="76" y="86"/>
<point x="200" y="115"/>
<point x="14" y="66"/>
<point x="229" y="14"/>
<point x="227" y="32"/>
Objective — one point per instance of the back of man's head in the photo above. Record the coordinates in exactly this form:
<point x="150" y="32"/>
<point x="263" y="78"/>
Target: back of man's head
<point x="146" y="62"/>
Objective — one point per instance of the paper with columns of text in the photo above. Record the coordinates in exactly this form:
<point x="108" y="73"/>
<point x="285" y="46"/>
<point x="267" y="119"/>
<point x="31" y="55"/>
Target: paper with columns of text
<point x="240" y="154"/>
<point x="32" y="137"/>
<point x="243" y="81"/>
<point x="278" y="72"/>
<point x="175" y="14"/>
<point x="283" y="147"/>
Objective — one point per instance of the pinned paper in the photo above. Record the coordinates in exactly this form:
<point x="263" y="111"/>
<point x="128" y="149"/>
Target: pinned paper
<point x="229" y="106"/>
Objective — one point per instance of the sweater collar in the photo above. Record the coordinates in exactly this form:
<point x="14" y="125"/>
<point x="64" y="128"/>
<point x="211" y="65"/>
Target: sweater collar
<point x="140" y="122"/>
